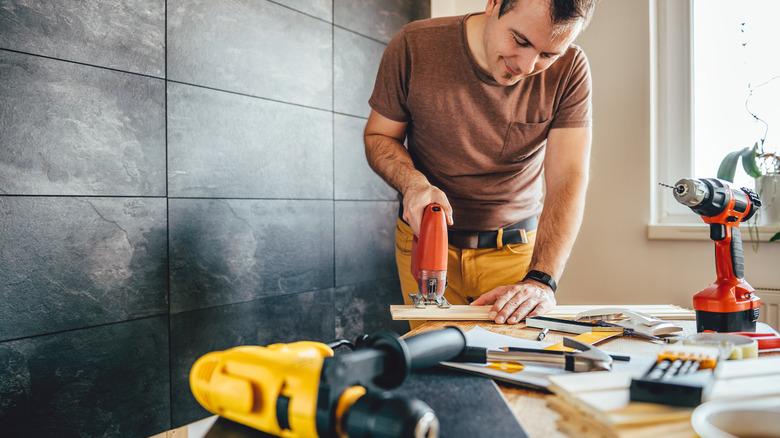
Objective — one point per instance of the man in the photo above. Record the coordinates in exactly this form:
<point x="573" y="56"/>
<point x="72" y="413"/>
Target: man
<point x="496" y="112"/>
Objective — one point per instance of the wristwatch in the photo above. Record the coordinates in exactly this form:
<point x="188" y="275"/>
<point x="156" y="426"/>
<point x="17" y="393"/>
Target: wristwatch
<point x="541" y="277"/>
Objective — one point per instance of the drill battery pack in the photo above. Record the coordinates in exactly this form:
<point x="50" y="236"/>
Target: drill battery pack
<point x="682" y="376"/>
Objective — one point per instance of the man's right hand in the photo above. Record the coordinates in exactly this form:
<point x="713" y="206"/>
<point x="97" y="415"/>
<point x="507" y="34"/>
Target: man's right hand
<point x="416" y="198"/>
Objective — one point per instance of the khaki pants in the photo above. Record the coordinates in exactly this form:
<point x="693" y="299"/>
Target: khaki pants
<point x="470" y="272"/>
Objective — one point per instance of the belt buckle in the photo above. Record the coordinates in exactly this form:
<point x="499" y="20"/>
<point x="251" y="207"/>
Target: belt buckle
<point x="523" y="237"/>
<point x="511" y="236"/>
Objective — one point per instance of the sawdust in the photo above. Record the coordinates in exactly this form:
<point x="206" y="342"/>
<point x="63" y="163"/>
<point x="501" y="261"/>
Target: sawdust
<point x="531" y="410"/>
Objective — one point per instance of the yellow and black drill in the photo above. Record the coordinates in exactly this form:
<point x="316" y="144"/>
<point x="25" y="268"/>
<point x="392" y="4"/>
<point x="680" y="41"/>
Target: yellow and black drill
<point x="302" y="390"/>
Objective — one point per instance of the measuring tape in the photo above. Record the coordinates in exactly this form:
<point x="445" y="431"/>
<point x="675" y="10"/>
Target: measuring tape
<point x="744" y="347"/>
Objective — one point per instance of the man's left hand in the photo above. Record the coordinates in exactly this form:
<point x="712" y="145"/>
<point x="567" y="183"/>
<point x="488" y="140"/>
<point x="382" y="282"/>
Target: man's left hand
<point x="515" y="302"/>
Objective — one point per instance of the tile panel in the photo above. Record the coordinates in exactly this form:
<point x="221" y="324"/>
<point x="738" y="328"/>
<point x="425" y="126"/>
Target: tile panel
<point x="364" y="308"/>
<point x="365" y="241"/>
<point x="69" y="263"/>
<point x="70" y="129"/>
<point x="353" y="178"/>
<point x="379" y="19"/>
<point x="223" y="145"/>
<point x="127" y="35"/>
<point x="231" y="251"/>
<point x="108" y="381"/>
<point x="355" y="65"/>
<point x="257" y="48"/>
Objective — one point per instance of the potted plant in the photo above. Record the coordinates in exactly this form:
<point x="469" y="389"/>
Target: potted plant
<point x="765" y="168"/>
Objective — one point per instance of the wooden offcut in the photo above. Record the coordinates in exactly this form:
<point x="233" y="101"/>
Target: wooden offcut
<point x="480" y="313"/>
<point x="598" y="404"/>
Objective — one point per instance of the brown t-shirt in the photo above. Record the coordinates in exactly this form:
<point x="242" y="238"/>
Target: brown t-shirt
<point x="480" y="142"/>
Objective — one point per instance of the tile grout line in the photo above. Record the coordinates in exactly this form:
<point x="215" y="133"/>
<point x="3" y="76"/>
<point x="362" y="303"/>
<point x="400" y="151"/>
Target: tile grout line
<point x="168" y="232"/>
<point x="333" y="147"/>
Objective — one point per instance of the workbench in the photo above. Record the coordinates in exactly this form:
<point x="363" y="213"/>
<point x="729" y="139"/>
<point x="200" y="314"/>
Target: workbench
<point x="529" y="406"/>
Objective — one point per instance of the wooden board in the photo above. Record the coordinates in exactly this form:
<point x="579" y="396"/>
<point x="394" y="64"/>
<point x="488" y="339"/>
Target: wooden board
<point x="598" y="403"/>
<point x="480" y="313"/>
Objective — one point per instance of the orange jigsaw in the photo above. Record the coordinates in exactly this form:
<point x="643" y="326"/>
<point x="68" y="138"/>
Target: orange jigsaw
<point x="429" y="258"/>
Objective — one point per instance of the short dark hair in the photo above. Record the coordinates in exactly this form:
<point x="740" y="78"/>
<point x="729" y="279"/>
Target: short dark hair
<point x="561" y="11"/>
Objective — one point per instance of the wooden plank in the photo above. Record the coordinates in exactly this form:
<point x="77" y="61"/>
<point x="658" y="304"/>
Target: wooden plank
<point x="576" y="383"/>
<point x="670" y="429"/>
<point x="480" y="313"/>
<point x="576" y="422"/>
<point x="604" y="396"/>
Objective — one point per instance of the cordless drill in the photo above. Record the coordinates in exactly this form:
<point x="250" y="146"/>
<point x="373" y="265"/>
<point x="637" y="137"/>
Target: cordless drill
<point x="429" y="258"/>
<point x="730" y="303"/>
<point x="302" y="390"/>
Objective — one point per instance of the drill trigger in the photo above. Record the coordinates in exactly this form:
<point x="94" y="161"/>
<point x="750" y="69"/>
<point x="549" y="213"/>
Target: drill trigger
<point x="717" y="232"/>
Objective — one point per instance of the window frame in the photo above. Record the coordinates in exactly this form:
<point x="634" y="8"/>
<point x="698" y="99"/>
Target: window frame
<point x="671" y="54"/>
<point x="673" y="112"/>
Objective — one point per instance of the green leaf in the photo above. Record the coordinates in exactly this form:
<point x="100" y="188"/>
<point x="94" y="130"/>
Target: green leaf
<point x="749" y="161"/>
<point x="775" y="238"/>
<point x="728" y="167"/>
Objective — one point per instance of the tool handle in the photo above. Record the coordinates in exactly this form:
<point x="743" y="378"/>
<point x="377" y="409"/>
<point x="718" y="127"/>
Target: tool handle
<point x="472" y="355"/>
<point x="729" y="257"/>
<point x="428" y="349"/>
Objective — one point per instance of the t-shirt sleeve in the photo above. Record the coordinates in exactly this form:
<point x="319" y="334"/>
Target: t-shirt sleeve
<point x="575" y="108"/>
<point x="392" y="81"/>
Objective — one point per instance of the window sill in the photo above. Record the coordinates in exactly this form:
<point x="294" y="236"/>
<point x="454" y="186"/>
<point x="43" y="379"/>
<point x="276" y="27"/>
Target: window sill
<point x="702" y="232"/>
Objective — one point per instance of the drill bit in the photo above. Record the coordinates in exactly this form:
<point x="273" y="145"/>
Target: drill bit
<point x="667" y="185"/>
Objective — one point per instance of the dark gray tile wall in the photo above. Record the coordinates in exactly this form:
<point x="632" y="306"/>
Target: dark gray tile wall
<point x="110" y="380"/>
<point x="258" y="48"/>
<point x="249" y="148"/>
<point x="127" y="35"/>
<point x="178" y="177"/>
<point x="353" y="178"/>
<point x="322" y="9"/>
<point x="74" y="262"/>
<point x="231" y="251"/>
<point x="355" y="66"/>
<point x="71" y="129"/>
<point x="365" y="241"/>
<point x="378" y="19"/>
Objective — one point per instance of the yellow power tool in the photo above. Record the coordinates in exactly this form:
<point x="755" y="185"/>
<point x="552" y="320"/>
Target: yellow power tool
<point x="302" y="390"/>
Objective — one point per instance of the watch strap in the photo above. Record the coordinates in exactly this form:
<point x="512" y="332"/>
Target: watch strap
<point x="541" y="277"/>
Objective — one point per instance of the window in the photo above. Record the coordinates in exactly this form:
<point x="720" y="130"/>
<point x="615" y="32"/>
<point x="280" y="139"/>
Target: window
<point x="710" y="56"/>
<point x="734" y="63"/>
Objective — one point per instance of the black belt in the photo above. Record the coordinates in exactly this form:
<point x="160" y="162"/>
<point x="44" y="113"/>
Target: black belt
<point x="515" y="233"/>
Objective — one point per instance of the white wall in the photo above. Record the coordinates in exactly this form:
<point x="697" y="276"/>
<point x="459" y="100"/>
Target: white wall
<point x="613" y="262"/>
<point x="444" y="8"/>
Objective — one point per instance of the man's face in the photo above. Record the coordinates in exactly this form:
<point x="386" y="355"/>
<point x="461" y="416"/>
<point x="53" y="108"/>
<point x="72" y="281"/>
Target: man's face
<point x="524" y="41"/>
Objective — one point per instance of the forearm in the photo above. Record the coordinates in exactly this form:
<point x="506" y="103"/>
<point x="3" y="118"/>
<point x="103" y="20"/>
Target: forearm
<point x="391" y="161"/>
<point x="388" y="157"/>
<point x="559" y="223"/>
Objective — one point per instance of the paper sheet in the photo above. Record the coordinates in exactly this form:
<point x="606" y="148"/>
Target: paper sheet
<point x="532" y="376"/>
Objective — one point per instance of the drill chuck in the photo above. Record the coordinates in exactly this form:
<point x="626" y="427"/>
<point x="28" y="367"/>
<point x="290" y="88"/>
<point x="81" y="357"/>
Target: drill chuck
<point x="690" y="192"/>
<point x="710" y="197"/>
